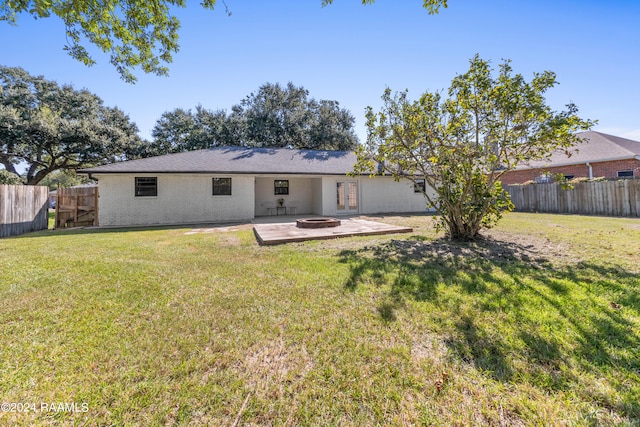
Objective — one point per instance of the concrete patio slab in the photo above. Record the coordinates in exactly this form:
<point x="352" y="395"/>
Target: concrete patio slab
<point x="285" y="232"/>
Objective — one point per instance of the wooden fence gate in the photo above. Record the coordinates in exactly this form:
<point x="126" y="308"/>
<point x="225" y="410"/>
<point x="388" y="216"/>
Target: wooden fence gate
<point x="76" y="207"/>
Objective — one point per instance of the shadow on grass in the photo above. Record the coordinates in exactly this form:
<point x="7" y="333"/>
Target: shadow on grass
<point x="511" y="312"/>
<point x="62" y="232"/>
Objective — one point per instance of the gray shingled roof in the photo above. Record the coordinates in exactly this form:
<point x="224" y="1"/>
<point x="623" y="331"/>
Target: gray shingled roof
<point x="596" y="147"/>
<point x="239" y="160"/>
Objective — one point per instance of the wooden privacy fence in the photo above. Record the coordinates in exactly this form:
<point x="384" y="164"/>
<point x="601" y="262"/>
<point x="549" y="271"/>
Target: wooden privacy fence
<point x="609" y="198"/>
<point x="23" y="208"/>
<point x="76" y="207"/>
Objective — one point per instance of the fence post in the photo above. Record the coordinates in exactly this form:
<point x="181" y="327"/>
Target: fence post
<point x="95" y="206"/>
<point x="634" y="192"/>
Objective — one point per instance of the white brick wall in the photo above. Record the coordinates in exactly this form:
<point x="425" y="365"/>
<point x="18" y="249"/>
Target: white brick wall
<point x="187" y="198"/>
<point x="385" y="195"/>
<point x="181" y="199"/>
<point x="381" y="194"/>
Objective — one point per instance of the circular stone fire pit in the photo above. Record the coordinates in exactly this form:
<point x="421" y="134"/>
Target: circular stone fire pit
<point x="317" y="222"/>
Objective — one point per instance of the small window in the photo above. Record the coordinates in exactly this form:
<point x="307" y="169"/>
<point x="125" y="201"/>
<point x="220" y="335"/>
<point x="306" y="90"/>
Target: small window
<point x="281" y="186"/>
<point x="625" y="174"/>
<point x="418" y="186"/>
<point x="221" y="186"/>
<point x="146" y="187"/>
<point x="568" y="177"/>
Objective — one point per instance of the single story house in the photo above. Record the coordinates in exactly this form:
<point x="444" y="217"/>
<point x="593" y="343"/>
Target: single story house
<point x="238" y="184"/>
<point x="599" y="155"/>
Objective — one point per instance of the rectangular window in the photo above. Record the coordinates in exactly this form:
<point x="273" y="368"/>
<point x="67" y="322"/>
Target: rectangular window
<point x="568" y="177"/>
<point x="625" y="174"/>
<point x="146" y="187"/>
<point x="221" y="186"/>
<point x="418" y="186"/>
<point x="281" y="186"/>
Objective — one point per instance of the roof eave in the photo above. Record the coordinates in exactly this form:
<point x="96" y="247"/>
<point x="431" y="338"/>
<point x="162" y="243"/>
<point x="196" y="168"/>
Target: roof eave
<point x="582" y="162"/>
<point x="164" y="172"/>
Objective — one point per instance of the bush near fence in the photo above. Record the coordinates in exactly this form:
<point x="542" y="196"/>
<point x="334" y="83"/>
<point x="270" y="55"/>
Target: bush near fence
<point x="608" y="198"/>
<point x="23" y="208"/>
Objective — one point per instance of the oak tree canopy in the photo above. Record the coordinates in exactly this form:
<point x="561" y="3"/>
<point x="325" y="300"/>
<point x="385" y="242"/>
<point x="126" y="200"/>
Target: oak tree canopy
<point x="49" y="127"/>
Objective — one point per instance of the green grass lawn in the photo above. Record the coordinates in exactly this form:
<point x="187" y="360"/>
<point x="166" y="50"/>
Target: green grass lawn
<point x="537" y="325"/>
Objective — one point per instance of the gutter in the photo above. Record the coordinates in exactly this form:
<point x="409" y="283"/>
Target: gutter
<point x="551" y="164"/>
<point x="90" y="173"/>
<point x="590" y="170"/>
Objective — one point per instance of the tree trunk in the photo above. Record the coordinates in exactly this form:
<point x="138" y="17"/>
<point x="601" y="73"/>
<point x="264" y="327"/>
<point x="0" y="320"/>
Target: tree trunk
<point x="459" y="228"/>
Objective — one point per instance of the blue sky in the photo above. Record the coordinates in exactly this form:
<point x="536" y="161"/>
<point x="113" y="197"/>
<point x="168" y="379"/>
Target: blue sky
<point x="349" y="53"/>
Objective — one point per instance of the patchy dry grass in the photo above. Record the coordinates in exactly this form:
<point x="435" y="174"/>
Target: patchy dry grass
<point x="539" y="324"/>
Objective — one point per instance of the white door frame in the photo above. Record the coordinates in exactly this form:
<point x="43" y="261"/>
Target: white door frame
<point x="347" y="197"/>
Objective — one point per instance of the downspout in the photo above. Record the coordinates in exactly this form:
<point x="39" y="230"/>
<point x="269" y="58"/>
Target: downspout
<point x="590" y="170"/>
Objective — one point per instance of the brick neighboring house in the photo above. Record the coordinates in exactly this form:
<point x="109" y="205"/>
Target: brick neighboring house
<point x="600" y="155"/>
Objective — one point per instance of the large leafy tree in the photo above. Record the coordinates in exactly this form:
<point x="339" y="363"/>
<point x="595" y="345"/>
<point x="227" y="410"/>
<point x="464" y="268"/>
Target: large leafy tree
<point x="185" y="130"/>
<point x="134" y="33"/>
<point x="49" y="127"/>
<point x="273" y="116"/>
<point x="331" y="127"/>
<point x="463" y="144"/>
<point x="277" y="116"/>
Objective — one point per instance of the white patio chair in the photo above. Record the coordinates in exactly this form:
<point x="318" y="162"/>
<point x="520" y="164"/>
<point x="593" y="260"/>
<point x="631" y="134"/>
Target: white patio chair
<point x="270" y="207"/>
<point x="292" y="208"/>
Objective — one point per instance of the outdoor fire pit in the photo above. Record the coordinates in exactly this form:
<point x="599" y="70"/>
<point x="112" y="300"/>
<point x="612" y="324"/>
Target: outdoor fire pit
<point x="317" y="222"/>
